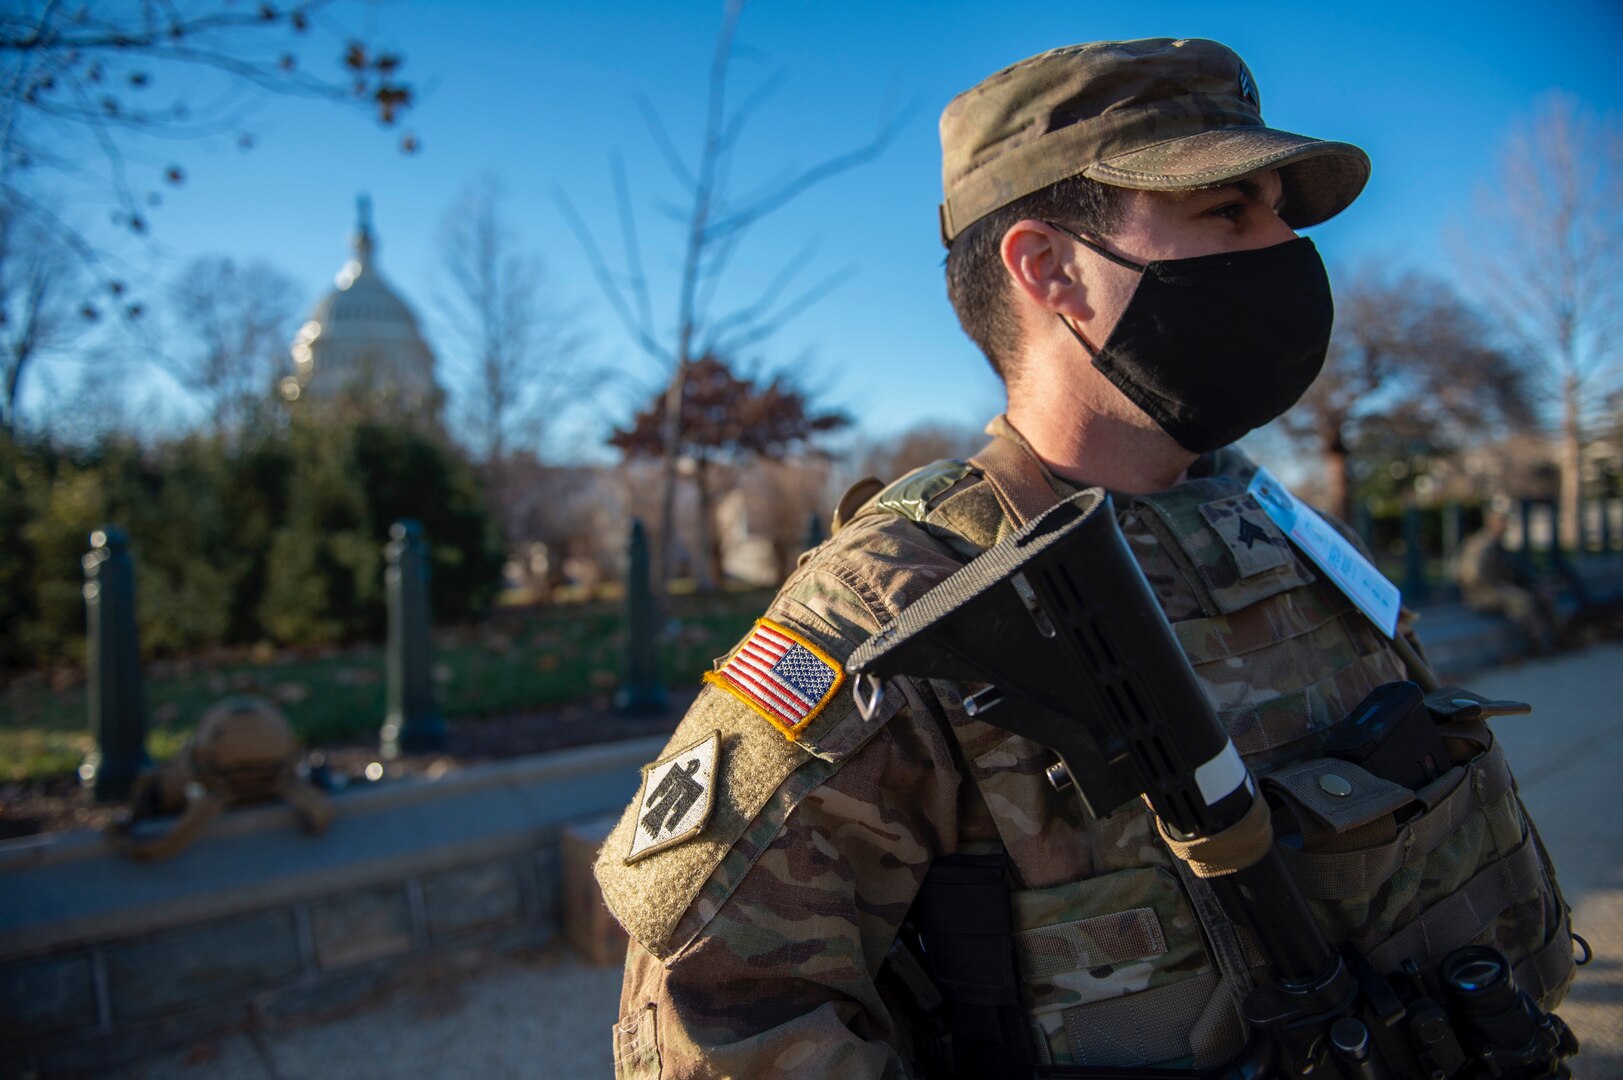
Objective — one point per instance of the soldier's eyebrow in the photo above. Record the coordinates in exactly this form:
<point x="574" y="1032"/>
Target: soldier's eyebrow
<point x="1246" y="189"/>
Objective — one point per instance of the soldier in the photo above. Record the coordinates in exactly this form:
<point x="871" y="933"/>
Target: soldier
<point x="1492" y="582"/>
<point x="1121" y="234"/>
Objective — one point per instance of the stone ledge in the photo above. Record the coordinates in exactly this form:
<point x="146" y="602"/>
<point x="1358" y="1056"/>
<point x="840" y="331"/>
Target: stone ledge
<point x="101" y="956"/>
<point x="71" y="888"/>
<point x="32" y="851"/>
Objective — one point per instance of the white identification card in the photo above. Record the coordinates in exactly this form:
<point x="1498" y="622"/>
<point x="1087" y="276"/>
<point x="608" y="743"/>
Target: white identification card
<point x="1353" y="574"/>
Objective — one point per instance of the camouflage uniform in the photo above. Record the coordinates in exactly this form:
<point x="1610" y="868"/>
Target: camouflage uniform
<point x="774" y="853"/>
<point x="756" y="945"/>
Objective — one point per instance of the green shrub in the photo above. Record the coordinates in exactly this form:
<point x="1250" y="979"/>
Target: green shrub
<point x="276" y="535"/>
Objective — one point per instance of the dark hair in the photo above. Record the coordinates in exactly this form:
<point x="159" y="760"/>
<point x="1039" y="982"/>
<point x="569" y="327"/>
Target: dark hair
<point x="977" y="283"/>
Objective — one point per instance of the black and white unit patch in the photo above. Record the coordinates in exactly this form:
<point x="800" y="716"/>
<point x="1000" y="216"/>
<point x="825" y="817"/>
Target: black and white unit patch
<point x="678" y="794"/>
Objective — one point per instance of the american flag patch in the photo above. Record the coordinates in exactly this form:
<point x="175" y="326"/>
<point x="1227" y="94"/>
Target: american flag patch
<point x="780" y="675"/>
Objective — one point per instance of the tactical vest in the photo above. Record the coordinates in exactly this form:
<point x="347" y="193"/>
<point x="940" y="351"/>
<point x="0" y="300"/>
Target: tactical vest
<point x="1122" y="957"/>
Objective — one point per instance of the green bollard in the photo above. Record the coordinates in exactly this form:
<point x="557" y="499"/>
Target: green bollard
<point x="1453" y="536"/>
<point x="1524" y="514"/>
<point x="1415" y="588"/>
<point x="1453" y="528"/>
<point x="1362" y="527"/>
<point x="642" y="694"/>
<point x="413" y="723"/>
<point x="1560" y="563"/>
<point x="814" y="531"/>
<point x="117" y="705"/>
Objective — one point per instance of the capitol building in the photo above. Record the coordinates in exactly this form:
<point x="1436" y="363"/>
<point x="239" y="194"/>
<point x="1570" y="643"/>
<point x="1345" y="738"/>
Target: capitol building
<point x="362" y="345"/>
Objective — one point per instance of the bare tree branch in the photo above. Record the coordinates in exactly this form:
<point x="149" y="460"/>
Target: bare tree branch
<point x="1410" y="365"/>
<point x="516" y="347"/>
<point x="76" y="124"/>
<point x="713" y="224"/>
<point x="749" y="107"/>
<point x="605" y="280"/>
<point x="662" y="142"/>
<point x="753" y="312"/>
<point x="238" y="320"/>
<point x="638" y="279"/>
<point x="765" y="328"/>
<point x="805" y="181"/>
<point x="1546" y="258"/>
<point x="39" y="313"/>
<point x="711" y="274"/>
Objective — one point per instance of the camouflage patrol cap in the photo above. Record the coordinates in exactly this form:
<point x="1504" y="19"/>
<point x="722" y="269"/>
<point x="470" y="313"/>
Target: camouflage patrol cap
<point x="1158" y="114"/>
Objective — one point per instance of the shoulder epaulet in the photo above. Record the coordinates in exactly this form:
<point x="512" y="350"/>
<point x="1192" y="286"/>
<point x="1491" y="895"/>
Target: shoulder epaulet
<point x="948" y="500"/>
<point x="912" y="496"/>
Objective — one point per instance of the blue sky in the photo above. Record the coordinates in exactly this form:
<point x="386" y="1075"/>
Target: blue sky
<point x="542" y="94"/>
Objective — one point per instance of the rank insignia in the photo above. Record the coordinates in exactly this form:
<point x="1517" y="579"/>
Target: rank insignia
<point x="1254" y="543"/>
<point x="780" y="675"/>
<point x="678" y="794"/>
<point x="1250" y="532"/>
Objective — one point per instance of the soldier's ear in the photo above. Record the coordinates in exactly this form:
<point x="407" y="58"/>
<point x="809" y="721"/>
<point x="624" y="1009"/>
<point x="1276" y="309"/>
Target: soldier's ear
<point x="1043" y="267"/>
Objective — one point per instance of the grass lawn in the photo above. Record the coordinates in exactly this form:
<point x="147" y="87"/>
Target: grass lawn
<point x="513" y="664"/>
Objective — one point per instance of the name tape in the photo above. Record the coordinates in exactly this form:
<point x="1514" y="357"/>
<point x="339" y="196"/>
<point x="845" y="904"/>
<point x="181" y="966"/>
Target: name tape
<point x="1353" y="574"/>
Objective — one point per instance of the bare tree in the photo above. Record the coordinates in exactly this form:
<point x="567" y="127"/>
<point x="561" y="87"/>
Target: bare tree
<point x="1546" y="255"/>
<point x="96" y="94"/>
<point x="715" y="219"/>
<point x="518" y="347"/>
<point x="40" y="308"/>
<point x="239" y="320"/>
<point x="518" y="344"/>
<point x="1409" y="363"/>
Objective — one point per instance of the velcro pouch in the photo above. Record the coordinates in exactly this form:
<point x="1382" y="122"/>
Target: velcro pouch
<point x="1336" y="804"/>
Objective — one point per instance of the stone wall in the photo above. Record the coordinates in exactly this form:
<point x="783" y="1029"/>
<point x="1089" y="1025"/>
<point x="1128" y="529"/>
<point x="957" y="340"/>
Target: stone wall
<point x="103" y="959"/>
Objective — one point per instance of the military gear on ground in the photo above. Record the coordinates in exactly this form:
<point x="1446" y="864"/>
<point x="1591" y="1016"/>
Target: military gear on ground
<point x="758" y="943"/>
<point x="243" y="752"/>
<point x="1156" y="114"/>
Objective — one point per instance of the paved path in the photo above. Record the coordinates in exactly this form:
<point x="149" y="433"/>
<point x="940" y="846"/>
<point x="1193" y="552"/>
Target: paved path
<point x="1568" y="758"/>
<point x="551" y="1017"/>
<point x="543" y="1018"/>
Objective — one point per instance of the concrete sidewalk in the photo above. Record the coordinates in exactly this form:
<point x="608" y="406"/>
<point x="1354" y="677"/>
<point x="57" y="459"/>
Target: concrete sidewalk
<point x="551" y="1017"/>
<point x="1568" y="758"/>
<point x="545" y="1017"/>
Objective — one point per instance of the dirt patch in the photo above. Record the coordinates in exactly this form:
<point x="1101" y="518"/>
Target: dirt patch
<point x="60" y="803"/>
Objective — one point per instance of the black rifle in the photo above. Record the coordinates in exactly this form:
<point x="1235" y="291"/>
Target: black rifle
<point x="1075" y="653"/>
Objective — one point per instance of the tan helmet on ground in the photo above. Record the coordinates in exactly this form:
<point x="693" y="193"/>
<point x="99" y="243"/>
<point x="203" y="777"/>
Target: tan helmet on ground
<point x="243" y="751"/>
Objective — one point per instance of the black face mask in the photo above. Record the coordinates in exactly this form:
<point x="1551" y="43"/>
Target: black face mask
<point x="1216" y="346"/>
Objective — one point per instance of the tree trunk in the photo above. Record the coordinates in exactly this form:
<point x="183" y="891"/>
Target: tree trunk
<point x="708" y="566"/>
<point x="1337" y="475"/>
<point x="671" y="433"/>
<point x="1571" y="467"/>
<point x="14" y="378"/>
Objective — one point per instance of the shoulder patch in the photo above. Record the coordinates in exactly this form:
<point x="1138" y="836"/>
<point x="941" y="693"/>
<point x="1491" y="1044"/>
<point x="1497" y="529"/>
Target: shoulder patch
<point x="874" y="568"/>
<point x="781" y="675"/>
<point x="678" y="794"/>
